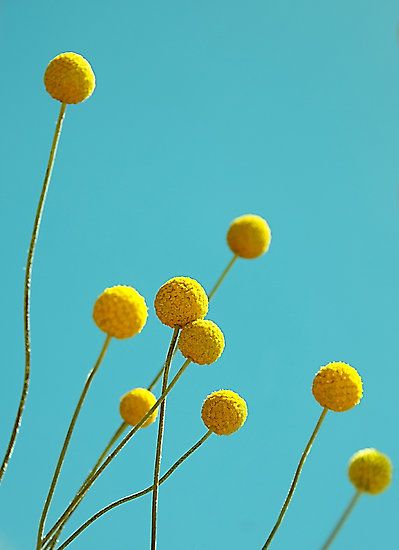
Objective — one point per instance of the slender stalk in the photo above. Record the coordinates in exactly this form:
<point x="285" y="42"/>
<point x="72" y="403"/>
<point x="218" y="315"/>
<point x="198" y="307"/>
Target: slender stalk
<point x="67" y="440"/>
<point x="158" y="454"/>
<point x="222" y="276"/>
<point x="295" y="480"/>
<point x="28" y="278"/>
<point x="352" y="503"/>
<point x="133" y="496"/>
<point x="79" y="496"/>
<point x="57" y="527"/>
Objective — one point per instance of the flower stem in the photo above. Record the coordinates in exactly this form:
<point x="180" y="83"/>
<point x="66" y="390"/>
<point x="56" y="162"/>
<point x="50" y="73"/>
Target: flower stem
<point x="79" y="496"/>
<point x="28" y="277"/>
<point x="222" y="277"/>
<point x="352" y="503"/>
<point x="133" y="496"/>
<point x="67" y="440"/>
<point x="295" y="480"/>
<point x="158" y="454"/>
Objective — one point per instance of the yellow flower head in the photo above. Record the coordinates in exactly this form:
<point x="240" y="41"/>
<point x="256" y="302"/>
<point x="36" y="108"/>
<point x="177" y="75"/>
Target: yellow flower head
<point x="202" y="341"/>
<point x="135" y="404"/>
<point x="69" y="78"/>
<point x="370" y="471"/>
<point x="120" y="311"/>
<point x="224" y="412"/>
<point x="180" y="301"/>
<point x="337" y="386"/>
<point x="249" y="236"/>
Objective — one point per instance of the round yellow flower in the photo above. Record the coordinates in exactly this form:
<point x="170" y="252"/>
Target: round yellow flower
<point x="202" y="341"/>
<point x="69" y="78"/>
<point x="370" y="471"/>
<point x="249" y="236"/>
<point x="224" y="412"/>
<point x="135" y="405"/>
<point x="120" y="311"/>
<point x="180" y="301"/>
<point x="337" y="386"/>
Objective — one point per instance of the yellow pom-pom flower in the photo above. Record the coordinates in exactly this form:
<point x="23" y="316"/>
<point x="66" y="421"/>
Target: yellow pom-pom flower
<point x="249" y="236"/>
<point x="180" y="301"/>
<point x="224" y="412"/>
<point x="69" y="78"/>
<point x="337" y="386"/>
<point x="120" y="311"/>
<point x="202" y="341"/>
<point x="135" y="404"/>
<point x="370" y="471"/>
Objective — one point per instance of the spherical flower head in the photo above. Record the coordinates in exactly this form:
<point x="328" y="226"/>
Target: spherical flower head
<point x="180" y="301"/>
<point x="370" y="471"/>
<point x="249" y="236"/>
<point x="202" y="341"/>
<point x="120" y="311"/>
<point x="224" y="412"/>
<point x="337" y="386"/>
<point x="69" y="78"/>
<point x="135" y="405"/>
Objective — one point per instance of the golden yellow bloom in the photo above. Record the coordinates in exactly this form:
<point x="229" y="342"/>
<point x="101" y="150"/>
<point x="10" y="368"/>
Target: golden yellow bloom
<point x="370" y="471"/>
<point x="337" y="386"/>
<point x="69" y="78"/>
<point x="120" y="311"/>
<point x="135" y="404"/>
<point x="224" y="412"/>
<point x="202" y="341"/>
<point x="249" y="236"/>
<point x="180" y="301"/>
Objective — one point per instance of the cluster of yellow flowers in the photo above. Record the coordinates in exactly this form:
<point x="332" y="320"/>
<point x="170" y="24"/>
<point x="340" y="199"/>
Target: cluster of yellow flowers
<point x="181" y="304"/>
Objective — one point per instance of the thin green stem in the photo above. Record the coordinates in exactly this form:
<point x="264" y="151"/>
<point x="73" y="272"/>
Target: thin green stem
<point x="57" y="527"/>
<point x="295" y="480"/>
<point x="158" y="454"/>
<point x="27" y="287"/>
<point x="133" y="496"/>
<point x="67" y="440"/>
<point x="222" y="277"/>
<point x="79" y="496"/>
<point x="352" y="503"/>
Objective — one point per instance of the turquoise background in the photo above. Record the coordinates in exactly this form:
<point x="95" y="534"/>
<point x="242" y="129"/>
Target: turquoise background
<point x="204" y="111"/>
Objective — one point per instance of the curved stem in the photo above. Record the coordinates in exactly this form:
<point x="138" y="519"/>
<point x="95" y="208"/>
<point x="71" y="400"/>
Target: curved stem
<point x="67" y="440"/>
<point x="158" y="454"/>
<point x="139" y="494"/>
<point x="28" y="277"/>
<point x="296" y="478"/>
<point x="79" y="496"/>
<point x="57" y="527"/>
<point x="352" y="503"/>
<point x="222" y="277"/>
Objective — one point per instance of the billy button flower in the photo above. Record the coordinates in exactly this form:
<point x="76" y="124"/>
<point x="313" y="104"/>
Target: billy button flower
<point x="120" y="312"/>
<point x="202" y="341"/>
<point x="135" y="404"/>
<point x="69" y="78"/>
<point x="224" y="412"/>
<point x="338" y="387"/>
<point x="369" y="471"/>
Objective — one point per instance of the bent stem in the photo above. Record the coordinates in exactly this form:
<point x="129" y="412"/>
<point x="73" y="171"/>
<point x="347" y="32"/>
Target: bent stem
<point x="67" y="440"/>
<point x="295" y="480"/>
<point x="57" y="527"/>
<point x="133" y="496"/>
<point x="161" y="425"/>
<point x="352" y="503"/>
<point x="79" y="496"/>
<point x="28" y="277"/>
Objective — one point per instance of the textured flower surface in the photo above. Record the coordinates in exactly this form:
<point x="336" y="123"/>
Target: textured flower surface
<point x="69" y="78"/>
<point x="135" y="404"/>
<point x="337" y="386"/>
<point x="249" y="236"/>
<point x="202" y="341"/>
<point x="370" y="471"/>
<point x="180" y="301"/>
<point x="120" y="311"/>
<point x="224" y="412"/>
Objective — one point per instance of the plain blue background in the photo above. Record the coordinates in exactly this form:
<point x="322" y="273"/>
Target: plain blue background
<point x="204" y="111"/>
